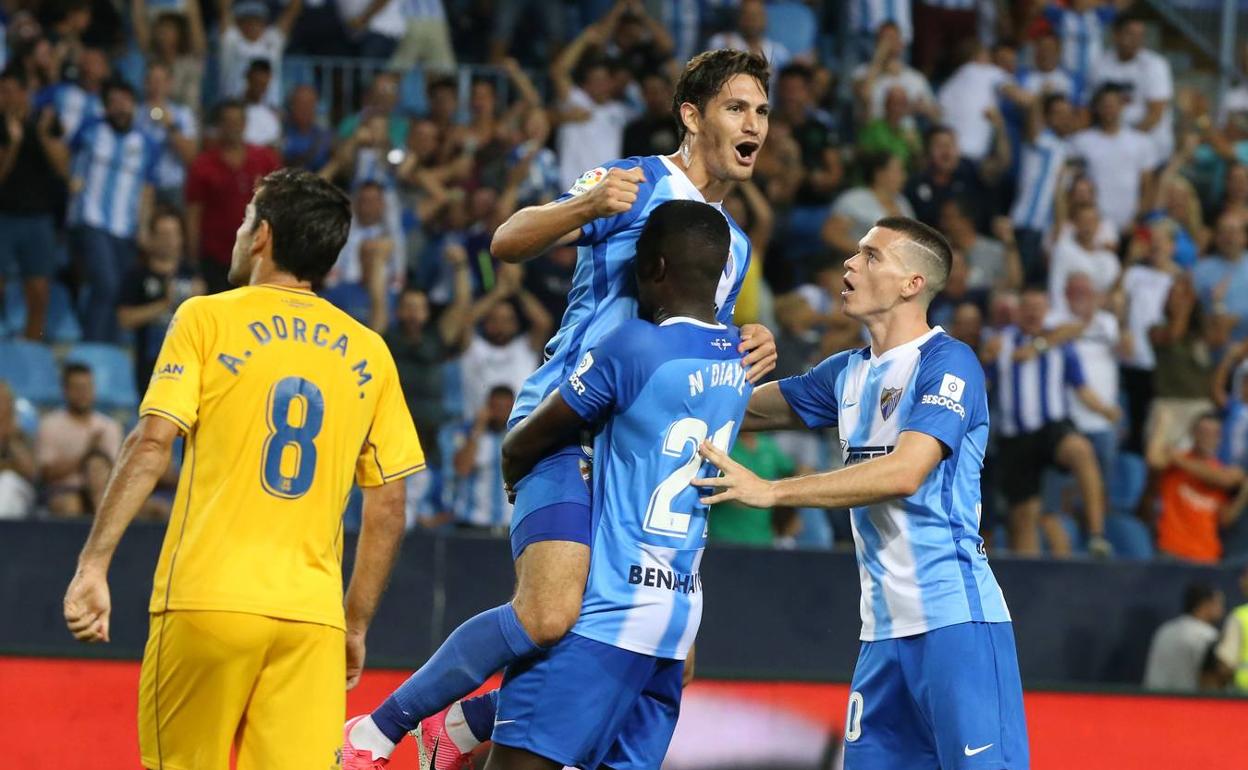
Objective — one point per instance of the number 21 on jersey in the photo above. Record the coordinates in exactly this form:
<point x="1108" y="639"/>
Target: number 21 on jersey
<point x="295" y="412"/>
<point x="683" y="435"/>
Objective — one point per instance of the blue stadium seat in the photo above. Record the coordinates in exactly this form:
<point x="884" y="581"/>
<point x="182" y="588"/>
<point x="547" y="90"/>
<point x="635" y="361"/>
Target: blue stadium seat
<point x="31" y="370"/>
<point x="62" y="324"/>
<point x="1073" y="532"/>
<point x="1127" y="482"/>
<point x="412" y="96"/>
<point x="792" y="24"/>
<point x="114" y="374"/>
<point x="1129" y="537"/>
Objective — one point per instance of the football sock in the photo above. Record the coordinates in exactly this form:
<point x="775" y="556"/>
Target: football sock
<point x="366" y="735"/>
<point x="479" y="647"/>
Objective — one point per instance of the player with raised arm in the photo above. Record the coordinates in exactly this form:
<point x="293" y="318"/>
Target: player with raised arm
<point x="608" y="693"/>
<point x="284" y="401"/>
<point x="721" y="107"/>
<point x="937" y="682"/>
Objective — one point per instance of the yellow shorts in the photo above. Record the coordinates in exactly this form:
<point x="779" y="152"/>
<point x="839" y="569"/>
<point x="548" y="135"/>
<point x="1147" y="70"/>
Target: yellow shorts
<point x="212" y="682"/>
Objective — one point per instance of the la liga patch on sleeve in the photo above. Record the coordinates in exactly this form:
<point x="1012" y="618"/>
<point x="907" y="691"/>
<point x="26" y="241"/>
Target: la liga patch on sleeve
<point x="588" y="181"/>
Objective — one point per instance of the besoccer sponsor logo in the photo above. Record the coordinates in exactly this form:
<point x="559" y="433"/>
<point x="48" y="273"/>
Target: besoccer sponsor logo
<point x="951" y="387"/>
<point x="947" y="403"/>
<point x="656" y="577"/>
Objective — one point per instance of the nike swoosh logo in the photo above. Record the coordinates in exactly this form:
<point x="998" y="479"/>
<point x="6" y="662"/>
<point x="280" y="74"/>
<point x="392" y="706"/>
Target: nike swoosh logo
<point x="848" y="405"/>
<point x="498" y="722"/>
<point x="967" y="750"/>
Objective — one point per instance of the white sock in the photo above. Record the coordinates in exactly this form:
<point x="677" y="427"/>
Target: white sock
<point x="457" y="730"/>
<point x="366" y="735"/>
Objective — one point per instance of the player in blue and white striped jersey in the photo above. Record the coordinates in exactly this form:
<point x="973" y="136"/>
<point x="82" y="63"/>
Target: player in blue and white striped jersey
<point x="1081" y="26"/>
<point x="722" y="111"/>
<point x="1045" y="151"/>
<point x="937" y="683"/>
<point x="112" y="173"/>
<point x="78" y="101"/>
<point x="474" y="490"/>
<point x="608" y="694"/>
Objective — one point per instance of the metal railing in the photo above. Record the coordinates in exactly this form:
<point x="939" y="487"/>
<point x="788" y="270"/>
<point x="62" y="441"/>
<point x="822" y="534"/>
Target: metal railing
<point x="1211" y="26"/>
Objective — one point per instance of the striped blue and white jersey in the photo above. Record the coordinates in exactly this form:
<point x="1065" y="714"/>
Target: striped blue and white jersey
<point x="170" y="170"/>
<point x="1032" y="393"/>
<point x="73" y="106"/>
<point x="603" y="292"/>
<point x="1083" y="39"/>
<point x="478" y="497"/>
<point x="920" y="559"/>
<point x="110" y="171"/>
<point x="1039" y="170"/>
<point x="660" y="390"/>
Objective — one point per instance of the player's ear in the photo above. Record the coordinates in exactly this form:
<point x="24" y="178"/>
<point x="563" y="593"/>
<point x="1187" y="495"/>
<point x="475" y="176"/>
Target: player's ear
<point x="691" y="116"/>
<point x="913" y="286"/>
<point x="262" y="238"/>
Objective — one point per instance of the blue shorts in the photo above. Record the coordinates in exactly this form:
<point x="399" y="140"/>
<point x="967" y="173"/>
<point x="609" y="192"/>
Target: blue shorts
<point x="552" y="502"/>
<point x="947" y="699"/>
<point x="585" y="704"/>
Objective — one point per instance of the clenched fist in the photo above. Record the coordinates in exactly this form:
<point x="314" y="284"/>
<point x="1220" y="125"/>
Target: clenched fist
<point x="616" y="193"/>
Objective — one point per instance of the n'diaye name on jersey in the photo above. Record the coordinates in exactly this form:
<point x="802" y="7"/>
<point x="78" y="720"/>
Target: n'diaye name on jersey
<point x="603" y="290"/>
<point x="921" y="560"/>
<point x="658" y="392"/>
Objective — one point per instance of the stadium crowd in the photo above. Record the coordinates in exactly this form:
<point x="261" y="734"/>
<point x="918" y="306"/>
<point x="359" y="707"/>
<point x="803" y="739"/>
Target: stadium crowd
<point x="1099" y="216"/>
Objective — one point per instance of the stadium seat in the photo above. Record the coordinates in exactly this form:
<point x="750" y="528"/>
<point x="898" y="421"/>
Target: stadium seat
<point x="1073" y="532"/>
<point x="412" y="97"/>
<point x="31" y="370"/>
<point x="62" y="324"/>
<point x="452" y="389"/>
<point x="1127" y="482"/>
<point x="793" y="25"/>
<point x="114" y="374"/>
<point x="1129" y="537"/>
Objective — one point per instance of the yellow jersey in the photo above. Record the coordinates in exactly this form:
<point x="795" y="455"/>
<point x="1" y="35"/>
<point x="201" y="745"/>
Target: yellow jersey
<point x="284" y="400"/>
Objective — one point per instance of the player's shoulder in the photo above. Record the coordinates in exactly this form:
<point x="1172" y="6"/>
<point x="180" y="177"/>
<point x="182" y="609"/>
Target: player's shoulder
<point x="650" y="165"/>
<point x="951" y="355"/>
<point x="834" y="364"/>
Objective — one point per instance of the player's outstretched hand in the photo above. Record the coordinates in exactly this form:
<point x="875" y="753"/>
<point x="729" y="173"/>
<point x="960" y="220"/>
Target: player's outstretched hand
<point x="758" y="345"/>
<point x="616" y="193"/>
<point x="355" y="658"/>
<point x="87" y="606"/>
<point x="738" y="482"/>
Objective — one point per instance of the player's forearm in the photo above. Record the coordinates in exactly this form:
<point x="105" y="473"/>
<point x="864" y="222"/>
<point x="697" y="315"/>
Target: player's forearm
<point x="140" y="465"/>
<point x="535" y="229"/>
<point x="381" y="534"/>
<point x="869" y="482"/>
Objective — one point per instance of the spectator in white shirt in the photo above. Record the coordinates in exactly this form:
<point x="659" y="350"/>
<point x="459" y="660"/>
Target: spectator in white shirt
<point x="591" y="120"/>
<point x="246" y="36"/>
<point x="868" y="17"/>
<point x="749" y="36"/>
<point x="371" y="258"/>
<point x="1145" y="79"/>
<point x="1081" y="255"/>
<point x="1050" y="121"/>
<point x="1119" y="160"/>
<point x="500" y="353"/>
<point x="969" y="96"/>
<point x="1181" y="646"/>
<point x="857" y="210"/>
<point x="886" y="70"/>
<point x="1047" y="76"/>
<point x="264" y="125"/>
<point x="991" y="263"/>
<point x="1099" y="342"/>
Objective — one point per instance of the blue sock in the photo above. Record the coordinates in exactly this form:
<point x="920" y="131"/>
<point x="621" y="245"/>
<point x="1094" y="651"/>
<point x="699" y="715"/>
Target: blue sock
<point x="479" y="647"/>
<point x="479" y="713"/>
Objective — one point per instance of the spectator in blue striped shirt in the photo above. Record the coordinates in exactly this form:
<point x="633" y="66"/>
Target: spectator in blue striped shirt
<point x="1044" y="155"/>
<point x="1081" y="26"/>
<point x="114" y="169"/>
<point x="1047" y="76"/>
<point x="79" y="100"/>
<point x="479" y="499"/>
<point x="1030" y="370"/>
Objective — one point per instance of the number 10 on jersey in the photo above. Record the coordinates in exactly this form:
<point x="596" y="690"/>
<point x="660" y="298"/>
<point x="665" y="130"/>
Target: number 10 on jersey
<point x="683" y="435"/>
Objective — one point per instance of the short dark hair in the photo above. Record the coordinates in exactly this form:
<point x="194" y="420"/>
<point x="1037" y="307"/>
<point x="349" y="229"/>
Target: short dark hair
<point x="501" y="390"/>
<point x="1051" y="99"/>
<point x="224" y="106"/>
<point x="797" y="70"/>
<point x="1123" y="19"/>
<point x="260" y="65"/>
<point x="71" y="368"/>
<point x="1197" y="594"/>
<point x="115" y="84"/>
<point x="936" y="248"/>
<point x="707" y="72"/>
<point x="872" y="163"/>
<point x="934" y="131"/>
<point x="442" y="84"/>
<point x="692" y="238"/>
<point x="309" y="218"/>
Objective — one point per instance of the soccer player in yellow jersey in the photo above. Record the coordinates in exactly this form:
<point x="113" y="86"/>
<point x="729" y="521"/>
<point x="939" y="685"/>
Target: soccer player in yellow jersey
<point x="284" y="401"/>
